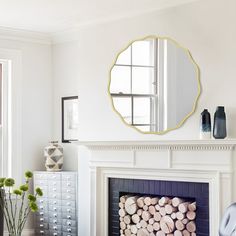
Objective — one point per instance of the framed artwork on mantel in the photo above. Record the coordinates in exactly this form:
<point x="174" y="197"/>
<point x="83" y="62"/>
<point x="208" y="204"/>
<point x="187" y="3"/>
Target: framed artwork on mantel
<point x="69" y="119"/>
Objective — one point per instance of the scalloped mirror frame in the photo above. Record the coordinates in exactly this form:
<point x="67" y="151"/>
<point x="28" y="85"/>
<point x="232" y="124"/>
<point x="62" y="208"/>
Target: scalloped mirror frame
<point x="197" y="78"/>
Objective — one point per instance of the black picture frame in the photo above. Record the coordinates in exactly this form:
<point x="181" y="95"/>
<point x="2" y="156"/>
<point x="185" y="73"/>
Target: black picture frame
<point x="69" y="108"/>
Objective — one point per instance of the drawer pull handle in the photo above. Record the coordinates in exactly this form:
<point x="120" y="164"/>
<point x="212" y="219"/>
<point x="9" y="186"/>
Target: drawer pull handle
<point x="41" y="232"/>
<point x="55" y="234"/>
<point x="41" y="213"/>
<point x="55" y="221"/>
<point x="54" y="189"/>
<point x="69" y="210"/>
<point x="55" y="215"/>
<point x="55" y="209"/>
<point x="69" y="230"/>
<point x="41" y="225"/>
<point x="68" y="203"/>
<point x="55" y="202"/>
<point x="41" y="219"/>
<point x="69" y="223"/>
<point x="41" y="201"/>
<point x="55" y="227"/>
<point x="69" y="217"/>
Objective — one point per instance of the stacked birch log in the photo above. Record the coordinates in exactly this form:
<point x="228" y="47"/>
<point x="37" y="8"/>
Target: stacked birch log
<point x="153" y="216"/>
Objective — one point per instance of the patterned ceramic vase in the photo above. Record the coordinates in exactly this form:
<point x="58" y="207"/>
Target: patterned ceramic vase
<point x="54" y="156"/>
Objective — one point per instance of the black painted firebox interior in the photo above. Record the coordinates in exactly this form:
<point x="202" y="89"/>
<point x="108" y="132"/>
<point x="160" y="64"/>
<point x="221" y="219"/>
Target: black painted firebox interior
<point x="195" y="191"/>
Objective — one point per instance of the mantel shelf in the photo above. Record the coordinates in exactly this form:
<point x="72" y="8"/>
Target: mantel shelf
<point x="163" y="144"/>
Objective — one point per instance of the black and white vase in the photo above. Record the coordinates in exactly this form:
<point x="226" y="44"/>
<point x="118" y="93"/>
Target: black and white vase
<point x="205" y="125"/>
<point x="219" y="129"/>
<point x="54" y="156"/>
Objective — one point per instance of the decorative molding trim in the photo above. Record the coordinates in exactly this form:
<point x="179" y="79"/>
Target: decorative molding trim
<point x="24" y="36"/>
<point x="183" y="145"/>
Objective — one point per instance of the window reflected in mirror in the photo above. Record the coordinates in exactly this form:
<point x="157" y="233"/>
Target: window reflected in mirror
<point x="154" y="85"/>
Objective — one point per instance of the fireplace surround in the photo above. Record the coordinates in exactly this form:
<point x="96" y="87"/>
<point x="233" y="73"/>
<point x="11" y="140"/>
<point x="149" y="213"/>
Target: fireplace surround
<point x="200" y="161"/>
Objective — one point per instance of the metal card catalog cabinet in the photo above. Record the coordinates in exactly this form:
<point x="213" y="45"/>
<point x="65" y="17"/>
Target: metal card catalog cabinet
<point x="57" y="213"/>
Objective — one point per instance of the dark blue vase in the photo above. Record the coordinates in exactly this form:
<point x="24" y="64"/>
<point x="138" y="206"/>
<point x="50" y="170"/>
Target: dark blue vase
<point x="219" y="129"/>
<point x="205" y="125"/>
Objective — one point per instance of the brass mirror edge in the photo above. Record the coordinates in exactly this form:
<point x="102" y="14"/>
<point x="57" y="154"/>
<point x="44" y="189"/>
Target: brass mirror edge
<point x="197" y="78"/>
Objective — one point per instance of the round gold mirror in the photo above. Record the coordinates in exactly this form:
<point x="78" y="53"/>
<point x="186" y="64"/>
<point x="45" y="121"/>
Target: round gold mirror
<point x="154" y="85"/>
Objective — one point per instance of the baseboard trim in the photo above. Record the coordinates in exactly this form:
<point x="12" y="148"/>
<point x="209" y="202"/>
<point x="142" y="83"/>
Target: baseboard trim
<point x="26" y="232"/>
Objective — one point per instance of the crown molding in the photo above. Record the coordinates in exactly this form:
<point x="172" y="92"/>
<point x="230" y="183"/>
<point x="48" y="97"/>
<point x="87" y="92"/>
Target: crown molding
<point x="73" y="33"/>
<point x="25" y="36"/>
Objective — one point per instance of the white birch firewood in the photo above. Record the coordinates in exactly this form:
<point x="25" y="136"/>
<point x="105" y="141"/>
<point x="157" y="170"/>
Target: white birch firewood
<point x="140" y="202"/>
<point x="133" y="229"/>
<point x="145" y="207"/>
<point x="135" y="218"/>
<point x="130" y="205"/>
<point x="167" y="224"/>
<point x="178" y="233"/>
<point x="147" y="201"/>
<point x="183" y="207"/>
<point x="191" y="226"/>
<point x="127" y="232"/>
<point x="156" y="226"/>
<point x="122" y="225"/>
<point x="154" y="200"/>
<point x="160" y="233"/>
<point x="176" y="201"/>
<point x="152" y="209"/>
<point x="192" y="206"/>
<point x="121" y="231"/>
<point x="122" y="212"/>
<point x="149" y="228"/>
<point x="121" y="219"/>
<point x="139" y="212"/>
<point x="143" y="224"/>
<point x="128" y="226"/>
<point x="157" y="216"/>
<point x="162" y="211"/>
<point x="180" y="215"/>
<point x="138" y="225"/>
<point x="191" y="215"/>
<point x="185" y="221"/>
<point x="123" y="198"/>
<point x="179" y="225"/>
<point x="157" y="206"/>
<point x="146" y="215"/>
<point x="170" y="209"/>
<point x="193" y="234"/>
<point x="142" y="232"/>
<point x="186" y="233"/>
<point x="151" y="221"/>
<point x="121" y="205"/>
<point x="173" y="215"/>
<point x="163" y="201"/>
<point x="152" y="234"/>
<point x="127" y="219"/>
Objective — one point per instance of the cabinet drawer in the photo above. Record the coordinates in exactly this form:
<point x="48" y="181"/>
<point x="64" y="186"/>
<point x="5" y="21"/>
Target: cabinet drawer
<point x="41" y="219"/>
<point x="54" y="208"/>
<point x="69" y="234"/>
<point x="69" y="229"/>
<point x="41" y="232"/>
<point x="67" y="203"/>
<point x="55" y="215"/>
<point x="54" y="176"/>
<point x="68" y="177"/>
<point x="69" y="223"/>
<point x="55" y="227"/>
<point x="55" y="221"/>
<point x="42" y="226"/>
<point x="68" y="196"/>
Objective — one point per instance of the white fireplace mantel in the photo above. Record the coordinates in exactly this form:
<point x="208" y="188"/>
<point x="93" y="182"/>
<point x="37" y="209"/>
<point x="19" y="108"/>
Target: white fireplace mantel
<point x="210" y="161"/>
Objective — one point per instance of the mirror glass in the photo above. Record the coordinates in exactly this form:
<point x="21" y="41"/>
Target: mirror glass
<point x="154" y="85"/>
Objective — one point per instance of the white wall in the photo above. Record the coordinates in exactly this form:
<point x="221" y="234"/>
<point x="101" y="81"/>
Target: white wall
<point x="35" y="101"/>
<point x="205" y="27"/>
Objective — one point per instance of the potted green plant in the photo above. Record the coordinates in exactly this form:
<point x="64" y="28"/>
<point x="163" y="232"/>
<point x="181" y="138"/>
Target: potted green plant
<point x="16" y="204"/>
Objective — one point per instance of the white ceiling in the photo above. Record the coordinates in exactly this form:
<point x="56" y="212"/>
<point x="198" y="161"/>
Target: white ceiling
<point x="51" y="16"/>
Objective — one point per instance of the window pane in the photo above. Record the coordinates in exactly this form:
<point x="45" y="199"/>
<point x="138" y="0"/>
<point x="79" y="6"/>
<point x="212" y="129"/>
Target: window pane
<point x="120" y="82"/>
<point x="143" y="79"/>
<point x="123" y="106"/>
<point x="125" y="57"/>
<point x="143" y="53"/>
<point x="141" y="110"/>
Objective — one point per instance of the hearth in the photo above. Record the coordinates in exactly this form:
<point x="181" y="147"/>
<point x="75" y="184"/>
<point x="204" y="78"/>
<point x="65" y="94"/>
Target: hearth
<point x="152" y="216"/>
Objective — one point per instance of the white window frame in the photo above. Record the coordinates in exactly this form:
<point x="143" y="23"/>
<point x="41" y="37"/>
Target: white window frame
<point x="11" y="161"/>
